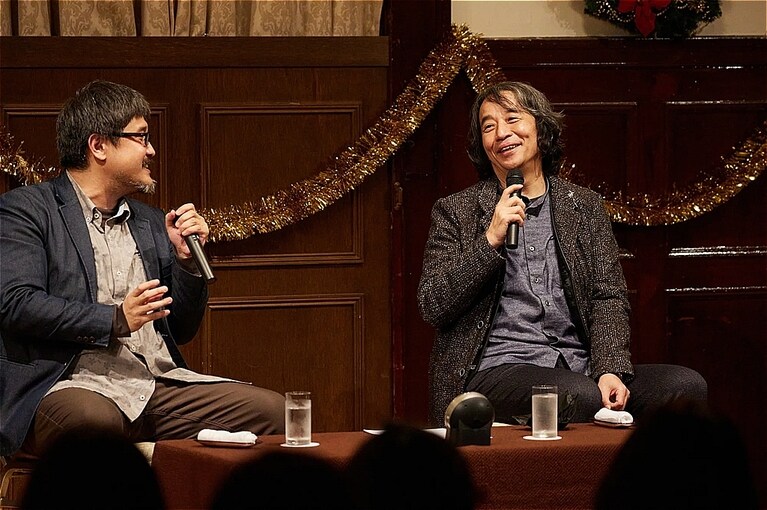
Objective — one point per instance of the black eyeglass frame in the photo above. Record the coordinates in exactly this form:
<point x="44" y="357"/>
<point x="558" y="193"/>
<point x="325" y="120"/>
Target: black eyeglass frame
<point x="144" y="135"/>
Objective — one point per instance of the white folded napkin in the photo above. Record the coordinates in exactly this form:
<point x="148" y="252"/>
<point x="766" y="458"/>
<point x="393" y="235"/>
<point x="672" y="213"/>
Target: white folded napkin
<point x="223" y="436"/>
<point x="617" y="417"/>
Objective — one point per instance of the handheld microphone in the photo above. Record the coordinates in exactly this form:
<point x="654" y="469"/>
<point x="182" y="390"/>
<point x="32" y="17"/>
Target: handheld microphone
<point x="193" y="242"/>
<point x="512" y="235"/>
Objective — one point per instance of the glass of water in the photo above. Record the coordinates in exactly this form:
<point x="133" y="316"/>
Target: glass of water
<point x="545" y="412"/>
<point x="298" y="418"/>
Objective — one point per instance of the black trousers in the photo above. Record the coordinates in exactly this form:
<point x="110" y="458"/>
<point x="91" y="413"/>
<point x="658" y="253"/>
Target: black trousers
<point x="508" y="387"/>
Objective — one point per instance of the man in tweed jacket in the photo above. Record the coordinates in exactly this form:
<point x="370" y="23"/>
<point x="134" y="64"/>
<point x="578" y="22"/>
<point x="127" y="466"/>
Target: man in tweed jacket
<point x="511" y="317"/>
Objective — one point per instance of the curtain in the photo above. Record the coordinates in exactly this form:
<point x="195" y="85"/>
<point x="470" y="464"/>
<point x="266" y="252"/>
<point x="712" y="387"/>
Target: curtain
<point x="190" y="17"/>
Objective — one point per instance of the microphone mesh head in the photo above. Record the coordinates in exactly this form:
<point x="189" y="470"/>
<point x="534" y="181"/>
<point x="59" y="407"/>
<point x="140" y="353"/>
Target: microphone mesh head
<point x="514" y="177"/>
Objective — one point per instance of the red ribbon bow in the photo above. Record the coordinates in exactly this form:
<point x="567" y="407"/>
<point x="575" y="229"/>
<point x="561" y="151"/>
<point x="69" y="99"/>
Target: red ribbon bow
<point x="644" y="12"/>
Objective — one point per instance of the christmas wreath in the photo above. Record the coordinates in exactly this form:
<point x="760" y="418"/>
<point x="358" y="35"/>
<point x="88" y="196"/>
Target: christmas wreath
<point x="673" y="19"/>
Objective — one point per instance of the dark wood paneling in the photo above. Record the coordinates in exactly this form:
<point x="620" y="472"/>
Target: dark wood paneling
<point x="233" y="134"/>
<point x="414" y="28"/>
<point x="723" y="333"/>
<point x="30" y="122"/>
<point x="191" y="52"/>
<point x="300" y="341"/>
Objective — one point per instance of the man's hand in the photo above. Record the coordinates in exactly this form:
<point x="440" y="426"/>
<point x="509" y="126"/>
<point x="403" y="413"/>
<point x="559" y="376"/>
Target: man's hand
<point x="615" y="394"/>
<point x="145" y="303"/>
<point x="182" y="222"/>
<point x="509" y="209"/>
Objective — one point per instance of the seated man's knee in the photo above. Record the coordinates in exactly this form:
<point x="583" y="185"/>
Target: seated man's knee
<point x="72" y="410"/>
<point x="270" y="412"/>
<point x="276" y="411"/>
<point x="692" y="385"/>
<point x="74" y="407"/>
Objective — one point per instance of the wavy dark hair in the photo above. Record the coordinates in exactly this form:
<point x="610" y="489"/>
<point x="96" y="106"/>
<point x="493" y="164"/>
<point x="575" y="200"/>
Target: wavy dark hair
<point x="548" y="123"/>
<point x="100" y="107"/>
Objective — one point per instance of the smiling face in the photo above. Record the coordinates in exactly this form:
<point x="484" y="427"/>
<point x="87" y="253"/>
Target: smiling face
<point x="130" y="161"/>
<point x="509" y="137"/>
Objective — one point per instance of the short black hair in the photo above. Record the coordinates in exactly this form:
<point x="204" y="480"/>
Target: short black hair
<point x="100" y="107"/>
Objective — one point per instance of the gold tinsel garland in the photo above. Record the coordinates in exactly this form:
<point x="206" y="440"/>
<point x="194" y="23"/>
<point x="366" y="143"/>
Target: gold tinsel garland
<point x="347" y="170"/>
<point x="13" y="163"/>
<point x="460" y="50"/>
<point x="710" y="190"/>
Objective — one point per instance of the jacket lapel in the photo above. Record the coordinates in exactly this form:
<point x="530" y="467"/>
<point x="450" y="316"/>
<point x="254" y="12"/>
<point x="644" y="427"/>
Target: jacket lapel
<point x="487" y="196"/>
<point x="72" y="217"/>
<point x="566" y="216"/>
<point x="142" y="234"/>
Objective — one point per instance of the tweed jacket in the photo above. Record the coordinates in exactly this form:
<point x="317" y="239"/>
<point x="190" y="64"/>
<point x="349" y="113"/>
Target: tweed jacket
<point x="462" y="280"/>
<point x="48" y="290"/>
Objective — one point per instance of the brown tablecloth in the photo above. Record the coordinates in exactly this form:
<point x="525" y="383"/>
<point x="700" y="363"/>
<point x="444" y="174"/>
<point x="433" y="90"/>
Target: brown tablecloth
<point x="511" y="473"/>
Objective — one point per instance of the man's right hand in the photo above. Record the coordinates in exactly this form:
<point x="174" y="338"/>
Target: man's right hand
<point x="615" y="394"/>
<point x="509" y="209"/>
<point x="145" y="303"/>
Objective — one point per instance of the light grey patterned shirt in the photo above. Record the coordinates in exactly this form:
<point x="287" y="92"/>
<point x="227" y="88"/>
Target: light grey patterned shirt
<point x="126" y="370"/>
<point x="533" y="322"/>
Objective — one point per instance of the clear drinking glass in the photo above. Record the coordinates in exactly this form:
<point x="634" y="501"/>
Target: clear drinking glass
<point x="545" y="412"/>
<point x="298" y="418"/>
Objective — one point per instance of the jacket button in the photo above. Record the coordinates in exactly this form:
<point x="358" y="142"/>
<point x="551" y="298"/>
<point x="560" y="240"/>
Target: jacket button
<point x="480" y="324"/>
<point x="462" y="372"/>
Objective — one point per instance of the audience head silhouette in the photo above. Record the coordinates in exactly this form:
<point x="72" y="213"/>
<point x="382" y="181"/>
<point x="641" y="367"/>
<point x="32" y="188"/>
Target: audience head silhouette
<point x="408" y="468"/>
<point x="87" y="470"/>
<point x="681" y="456"/>
<point x="282" y="480"/>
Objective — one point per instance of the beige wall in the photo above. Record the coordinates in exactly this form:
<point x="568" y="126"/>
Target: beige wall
<point x="565" y="18"/>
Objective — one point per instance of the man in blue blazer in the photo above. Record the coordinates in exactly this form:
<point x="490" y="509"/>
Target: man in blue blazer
<point x="98" y="290"/>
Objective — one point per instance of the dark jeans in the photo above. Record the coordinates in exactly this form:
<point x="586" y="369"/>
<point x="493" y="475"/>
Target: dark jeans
<point x="508" y="388"/>
<point x="175" y="411"/>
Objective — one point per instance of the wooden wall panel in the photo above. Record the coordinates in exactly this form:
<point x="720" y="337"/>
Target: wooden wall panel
<point x="698" y="133"/>
<point x="31" y="122"/>
<point x="723" y="332"/>
<point x="617" y="120"/>
<point x="300" y="138"/>
<point x="301" y="341"/>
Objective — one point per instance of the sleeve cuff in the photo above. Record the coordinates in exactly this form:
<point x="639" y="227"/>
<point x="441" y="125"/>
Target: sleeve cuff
<point x="120" y="326"/>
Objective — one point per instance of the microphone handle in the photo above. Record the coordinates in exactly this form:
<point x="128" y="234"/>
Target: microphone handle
<point x="193" y="242"/>
<point x="512" y="237"/>
<point x="512" y="234"/>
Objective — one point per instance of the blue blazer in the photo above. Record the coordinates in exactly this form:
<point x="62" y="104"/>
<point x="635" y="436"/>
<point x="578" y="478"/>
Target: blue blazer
<point x="48" y="294"/>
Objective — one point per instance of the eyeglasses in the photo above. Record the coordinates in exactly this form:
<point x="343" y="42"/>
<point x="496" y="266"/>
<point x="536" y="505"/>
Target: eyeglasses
<point x="144" y="136"/>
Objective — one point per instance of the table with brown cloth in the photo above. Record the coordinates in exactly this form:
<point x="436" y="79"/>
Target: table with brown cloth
<point x="510" y="473"/>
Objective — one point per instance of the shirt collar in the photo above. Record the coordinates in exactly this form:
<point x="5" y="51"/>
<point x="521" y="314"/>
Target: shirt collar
<point x="91" y="212"/>
<point x="535" y="205"/>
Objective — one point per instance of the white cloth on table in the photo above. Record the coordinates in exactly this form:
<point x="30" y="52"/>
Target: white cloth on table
<point x="615" y="417"/>
<point x="224" y="436"/>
